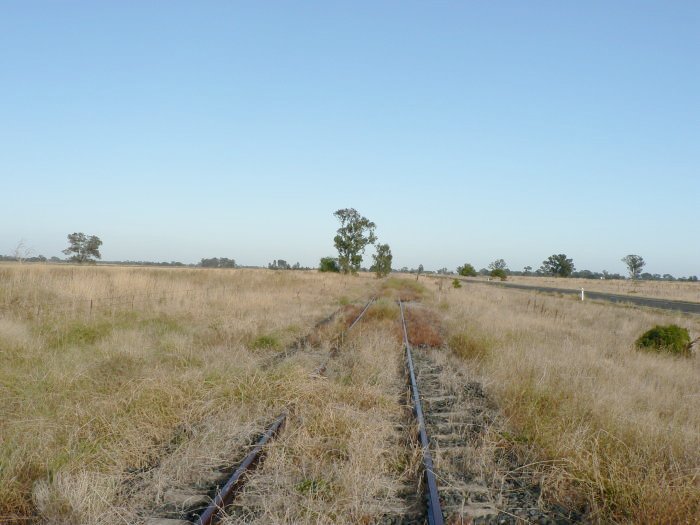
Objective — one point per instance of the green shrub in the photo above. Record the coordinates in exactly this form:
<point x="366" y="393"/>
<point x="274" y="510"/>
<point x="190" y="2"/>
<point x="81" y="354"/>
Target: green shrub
<point x="456" y="283"/>
<point x="467" y="270"/>
<point x="500" y="273"/>
<point x="329" y="264"/>
<point x="671" y="338"/>
<point x="265" y="342"/>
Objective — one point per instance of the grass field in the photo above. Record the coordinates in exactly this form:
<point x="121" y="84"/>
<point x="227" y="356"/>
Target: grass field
<point x="615" y="428"/>
<point x="118" y="385"/>
<point x="88" y="397"/>
<point x="675" y="290"/>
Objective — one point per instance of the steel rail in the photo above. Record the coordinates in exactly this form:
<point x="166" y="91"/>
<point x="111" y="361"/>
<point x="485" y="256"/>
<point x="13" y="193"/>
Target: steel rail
<point x="339" y="340"/>
<point x="225" y="496"/>
<point x="434" y="510"/>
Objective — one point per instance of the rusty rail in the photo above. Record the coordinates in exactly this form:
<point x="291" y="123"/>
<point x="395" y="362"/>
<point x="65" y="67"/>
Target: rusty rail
<point x="339" y="340"/>
<point x="225" y="496"/>
<point x="434" y="510"/>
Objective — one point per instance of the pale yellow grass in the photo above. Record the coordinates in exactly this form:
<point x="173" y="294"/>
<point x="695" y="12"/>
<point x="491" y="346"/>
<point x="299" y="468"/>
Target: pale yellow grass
<point x="88" y="396"/>
<point x="675" y="290"/>
<point x="339" y="460"/>
<point x="619" y="429"/>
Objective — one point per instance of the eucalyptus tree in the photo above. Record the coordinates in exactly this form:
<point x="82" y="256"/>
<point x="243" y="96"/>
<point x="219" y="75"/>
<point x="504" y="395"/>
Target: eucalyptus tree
<point x="353" y="236"/>
<point x="634" y="263"/>
<point x="85" y="249"/>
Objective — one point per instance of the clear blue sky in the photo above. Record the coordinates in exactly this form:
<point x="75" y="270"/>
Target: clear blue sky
<point x="468" y="131"/>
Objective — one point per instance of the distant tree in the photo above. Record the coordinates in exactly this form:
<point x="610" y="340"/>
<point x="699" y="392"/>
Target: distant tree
<point x="296" y="266"/>
<point x="21" y="252"/>
<point x="498" y="264"/>
<point x="443" y="271"/>
<point x="216" y="262"/>
<point x="466" y="270"/>
<point x="499" y="269"/>
<point x="84" y="249"/>
<point x="279" y="264"/>
<point x="328" y="264"/>
<point x="634" y="263"/>
<point x="420" y="271"/>
<point x="558" y="265"/>
<point x="227" y="263"/>
<point x="527" y="270"/>
<point x="354" y="234"/>
<point x="382" y="260"/>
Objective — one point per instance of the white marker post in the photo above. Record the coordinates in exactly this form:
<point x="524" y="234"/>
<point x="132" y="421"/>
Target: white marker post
<point x="582" y="294"/>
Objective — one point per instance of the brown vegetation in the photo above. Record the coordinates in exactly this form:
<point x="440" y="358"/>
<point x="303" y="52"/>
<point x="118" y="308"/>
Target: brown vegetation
<point x="92" y="394"/>
<point x="610" y="426"/>
<point x="674" y="290"/>
<point x="119" y="386"/>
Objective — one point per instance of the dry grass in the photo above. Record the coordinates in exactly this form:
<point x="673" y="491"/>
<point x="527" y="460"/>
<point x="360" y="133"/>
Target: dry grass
<point x="616" y="428"/>
<point x="679" y="291"/>
<point x="406" y="289"/>
<point x="105" y="410"/>
<point x="88" y="397"/>
<point x="338" y="460"/>
<point x="423" y="327"/>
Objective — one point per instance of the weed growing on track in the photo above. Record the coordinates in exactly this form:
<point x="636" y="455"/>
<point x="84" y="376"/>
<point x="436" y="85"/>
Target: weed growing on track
<point x="395" y="288"/>
<point x="613" y="428"/>
<point x="423" y="327"/>
<point x="100" y="367"/>
<point x="341" y="432"/>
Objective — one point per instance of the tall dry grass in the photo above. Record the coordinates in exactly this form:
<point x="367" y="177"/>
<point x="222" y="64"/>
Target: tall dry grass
<point x="339" y="460"/>
<point x="91" y="395"/>
<point x="615" y="428"/>
<point x="675" y="290"/>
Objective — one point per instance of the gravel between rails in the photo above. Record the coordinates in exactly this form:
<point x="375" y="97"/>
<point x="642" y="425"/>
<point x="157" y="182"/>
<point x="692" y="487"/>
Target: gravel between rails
<point x="458" y="415"/>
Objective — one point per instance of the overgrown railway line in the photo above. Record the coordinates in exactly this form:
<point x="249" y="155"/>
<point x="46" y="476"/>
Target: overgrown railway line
<point x="434" y="511"/>
<point x="224" y="493"/>
<point x="450" y="415"/>
<point x="453" y="414"/>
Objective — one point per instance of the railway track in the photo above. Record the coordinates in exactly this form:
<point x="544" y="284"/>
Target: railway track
<point x="434" y="510"/>
<point x="224" y="493"/>
<point x="453" y="414"/>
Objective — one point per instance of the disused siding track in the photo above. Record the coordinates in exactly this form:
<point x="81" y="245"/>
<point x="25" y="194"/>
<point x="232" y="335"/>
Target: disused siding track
<point x="235" y="482"/>
<point x="340" y="338"/>
<point x="224" y="496"/>
<point x="434" y="512"/>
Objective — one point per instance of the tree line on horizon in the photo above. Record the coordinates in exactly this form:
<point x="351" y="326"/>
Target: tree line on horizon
<point x="353" y="236"/>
